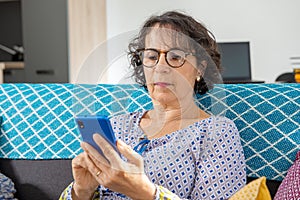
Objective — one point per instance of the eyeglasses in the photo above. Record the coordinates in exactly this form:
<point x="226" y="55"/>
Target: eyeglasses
<point x="174" y="57"/>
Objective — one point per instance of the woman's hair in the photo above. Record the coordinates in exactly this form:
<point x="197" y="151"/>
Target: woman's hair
<point x="201" y="40"/>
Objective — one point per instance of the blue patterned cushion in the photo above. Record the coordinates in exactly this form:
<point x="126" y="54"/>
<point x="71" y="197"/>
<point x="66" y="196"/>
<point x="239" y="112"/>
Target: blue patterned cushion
<point x="38" y="119"/>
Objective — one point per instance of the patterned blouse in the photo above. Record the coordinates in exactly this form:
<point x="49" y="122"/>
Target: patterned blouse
<point x="7" y="188"/>
<point x="202" y="161"/>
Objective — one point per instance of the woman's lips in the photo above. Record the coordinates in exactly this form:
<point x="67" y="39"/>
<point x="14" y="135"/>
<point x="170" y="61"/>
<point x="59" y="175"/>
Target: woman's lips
<point x="162" y="84"/>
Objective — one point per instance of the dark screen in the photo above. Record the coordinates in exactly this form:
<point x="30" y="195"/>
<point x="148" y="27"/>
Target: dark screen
<point x="235" y="60"/>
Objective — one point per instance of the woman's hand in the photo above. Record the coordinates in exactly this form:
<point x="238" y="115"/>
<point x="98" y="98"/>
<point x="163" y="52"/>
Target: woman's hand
<point x="84" y="182"/>
<point x="116" y="174"/>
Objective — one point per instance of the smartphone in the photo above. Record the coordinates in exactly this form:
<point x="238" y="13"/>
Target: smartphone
<point x="90" y="125"/>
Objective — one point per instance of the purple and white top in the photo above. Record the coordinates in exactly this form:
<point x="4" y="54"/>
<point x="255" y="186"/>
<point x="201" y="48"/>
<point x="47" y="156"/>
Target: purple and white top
<point x="202" y="161"/>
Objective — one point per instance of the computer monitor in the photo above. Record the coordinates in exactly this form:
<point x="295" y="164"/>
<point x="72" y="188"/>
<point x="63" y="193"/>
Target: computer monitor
<point x="235" y="60"/>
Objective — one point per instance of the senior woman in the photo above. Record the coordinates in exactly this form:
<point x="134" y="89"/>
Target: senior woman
<point x="176" y="150"/>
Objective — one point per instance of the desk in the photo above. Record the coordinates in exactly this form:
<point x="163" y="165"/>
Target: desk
<point x="9" y="65"/>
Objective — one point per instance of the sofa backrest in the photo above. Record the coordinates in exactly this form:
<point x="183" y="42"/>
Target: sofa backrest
<point x="38" y="119"/>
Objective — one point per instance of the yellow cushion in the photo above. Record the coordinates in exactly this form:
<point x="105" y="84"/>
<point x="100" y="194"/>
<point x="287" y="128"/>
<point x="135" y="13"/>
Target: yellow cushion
<point x="255" y="190"/>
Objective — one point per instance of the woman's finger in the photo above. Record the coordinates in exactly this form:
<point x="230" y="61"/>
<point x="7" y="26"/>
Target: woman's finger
<point x="93" y="153"/>
<point x="132" y="156"/>
<point x="83" y="172"/>
<point x="109" y="152"/>
<point x="84" y="161"/>
<point x="78" y="161"/>
<point x="99" y="161"/>
<point x="93" y="169"/>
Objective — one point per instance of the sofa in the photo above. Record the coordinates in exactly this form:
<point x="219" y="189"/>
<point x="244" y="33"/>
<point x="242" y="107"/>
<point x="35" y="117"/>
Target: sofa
<point x="39" y="137"/>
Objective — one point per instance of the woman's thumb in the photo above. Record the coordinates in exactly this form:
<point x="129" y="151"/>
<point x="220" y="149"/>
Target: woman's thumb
<point x="132" y="156"/>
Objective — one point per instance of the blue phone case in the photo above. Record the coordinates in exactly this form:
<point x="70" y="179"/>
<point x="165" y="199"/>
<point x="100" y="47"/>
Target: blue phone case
<point x="90" y="125"/>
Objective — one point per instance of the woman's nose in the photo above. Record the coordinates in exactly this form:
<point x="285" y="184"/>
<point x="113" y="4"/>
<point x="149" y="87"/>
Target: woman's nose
<point x="162" y="66"/>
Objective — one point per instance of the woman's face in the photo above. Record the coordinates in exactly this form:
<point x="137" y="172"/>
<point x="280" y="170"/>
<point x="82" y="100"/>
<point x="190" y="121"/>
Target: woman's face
<point x="167" y="85"/>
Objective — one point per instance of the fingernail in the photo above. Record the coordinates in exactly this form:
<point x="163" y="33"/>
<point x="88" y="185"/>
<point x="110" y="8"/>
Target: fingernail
<point x="124" y="146"/>
<point x="97" y="136"/>
<point x="120" y="143"/>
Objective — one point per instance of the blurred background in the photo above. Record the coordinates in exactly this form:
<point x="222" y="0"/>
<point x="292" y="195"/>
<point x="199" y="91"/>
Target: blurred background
<point x="50" y="40"/>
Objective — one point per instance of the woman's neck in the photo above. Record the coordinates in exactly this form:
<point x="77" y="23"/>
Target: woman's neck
<point x="177" y="110"/>
<point x="163" y="119"/>
<point x="174" y="113"/>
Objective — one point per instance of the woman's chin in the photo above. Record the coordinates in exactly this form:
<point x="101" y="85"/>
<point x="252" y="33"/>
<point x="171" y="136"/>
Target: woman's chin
<point x="164" y="98"/>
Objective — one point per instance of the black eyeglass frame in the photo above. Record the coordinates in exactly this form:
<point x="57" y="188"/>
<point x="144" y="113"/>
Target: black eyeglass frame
<point x="140" y="52"/>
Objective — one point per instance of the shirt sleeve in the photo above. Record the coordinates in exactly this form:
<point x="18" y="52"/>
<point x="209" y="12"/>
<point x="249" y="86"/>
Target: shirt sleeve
<point x="164" y="194"/>
<point x="221" y="167"/>
<point x="67" y="193"/>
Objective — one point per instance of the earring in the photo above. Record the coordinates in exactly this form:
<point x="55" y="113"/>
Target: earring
<point x="198" y="78"/>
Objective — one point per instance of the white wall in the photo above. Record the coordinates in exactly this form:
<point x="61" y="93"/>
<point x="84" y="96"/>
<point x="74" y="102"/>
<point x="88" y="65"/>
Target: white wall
<point x="272" y="27"/>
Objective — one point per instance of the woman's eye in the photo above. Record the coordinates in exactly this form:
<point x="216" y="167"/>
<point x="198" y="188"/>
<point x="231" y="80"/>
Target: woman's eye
<point x="174" y="56"/>
<point x="151" y="57"/>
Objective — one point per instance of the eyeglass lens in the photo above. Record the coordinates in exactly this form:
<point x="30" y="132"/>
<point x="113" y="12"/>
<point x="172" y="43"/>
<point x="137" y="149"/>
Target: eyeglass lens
<point x="175" y="57"/>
